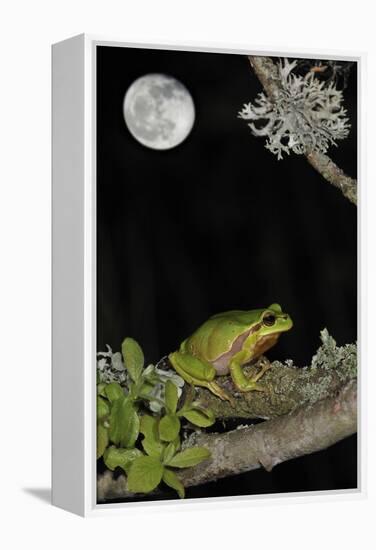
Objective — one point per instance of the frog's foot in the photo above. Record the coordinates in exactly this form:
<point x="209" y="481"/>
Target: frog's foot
<point x="265" y="365"/>
<point x="220" y="392"/>
<point x="248" y="383"/>
<point x="198" y="372"/>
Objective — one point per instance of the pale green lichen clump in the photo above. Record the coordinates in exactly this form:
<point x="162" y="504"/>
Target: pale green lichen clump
<point x="333" y="359"/>
<point x="314" y="391"/>
<point x="329" y="356"/>
<point x="306" y="115"/>
<point x="315" y="381"/>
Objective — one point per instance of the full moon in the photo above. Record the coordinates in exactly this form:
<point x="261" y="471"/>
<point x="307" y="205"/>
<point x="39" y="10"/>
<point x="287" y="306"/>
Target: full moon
<point x="158" y="111"/>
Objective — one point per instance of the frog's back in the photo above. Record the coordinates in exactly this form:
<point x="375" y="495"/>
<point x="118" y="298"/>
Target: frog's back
<point x="216" y="336"/>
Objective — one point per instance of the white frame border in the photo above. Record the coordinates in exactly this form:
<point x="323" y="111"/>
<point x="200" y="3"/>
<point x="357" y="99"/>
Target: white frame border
<point x="89" y="507"/>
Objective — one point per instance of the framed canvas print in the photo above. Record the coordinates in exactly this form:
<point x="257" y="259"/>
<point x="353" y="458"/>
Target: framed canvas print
<point x="205" y="292"/>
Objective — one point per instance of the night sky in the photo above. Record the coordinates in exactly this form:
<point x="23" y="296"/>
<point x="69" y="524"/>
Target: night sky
<point x="218" y="223"/>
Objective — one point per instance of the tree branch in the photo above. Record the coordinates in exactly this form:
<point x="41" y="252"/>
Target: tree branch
<point x="288" y="387"/>
<point x="333" y="174"/>
<point x="310" y="409"/>
<point x="267" y="72"/>
<point x="309" y="429"/>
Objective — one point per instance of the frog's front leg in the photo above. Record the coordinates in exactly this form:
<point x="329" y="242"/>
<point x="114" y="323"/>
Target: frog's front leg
<point x="198" y="372"/>
<point x="247" y="383"/>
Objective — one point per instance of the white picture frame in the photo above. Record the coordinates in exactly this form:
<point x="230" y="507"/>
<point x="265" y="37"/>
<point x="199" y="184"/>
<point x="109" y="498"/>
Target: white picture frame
<point x="74" y="280"/>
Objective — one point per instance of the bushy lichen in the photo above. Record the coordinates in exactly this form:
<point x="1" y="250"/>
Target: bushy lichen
<point x="314" y="391"/>
<point x="329" y="356"/>
<point x="110" y="367"/>
<point x="326" y="355"/>
<point x="287" y="364"/>
<point x="333" y="359"/>
<point x="306" y="115"/>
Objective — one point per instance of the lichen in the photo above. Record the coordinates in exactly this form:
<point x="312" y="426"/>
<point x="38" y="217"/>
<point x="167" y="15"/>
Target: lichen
<point x="111" y="368"/>
<point x="305" y="115"/>
<point x="333" y="359"/>
<point x="326" y="355"/>
<point x="329" y="356"/>
<point x="314" y="391"/>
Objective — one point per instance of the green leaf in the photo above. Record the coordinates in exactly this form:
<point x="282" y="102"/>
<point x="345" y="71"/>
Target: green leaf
<point x="114" y="391"/>
<point x="124" y="423"/>
<point x="169" y="452"/>
<point x="151" y="399"/>
<point x="151" y="443"/>
<point x="189" y="396"/>
<point x="199" y="416"/>
<point x="169" y="427"/>
<point x="148" y="425"/>
<point x="101" y="389"/>
<point x="172" y="480"/>
<point x="145" y="473"/>
<point x="103" y="408"/>
<point x="189" y="457"/>
<point x="114" y="457"/>
<point x="133" y="358"/>
<point x="176" y="442"/>
<point x="171" y="397"/>
<point x="152" y="447"/>
<point x="146" y="387"/>
<point x="133" y="390"/>
<point x="102" y="439"/>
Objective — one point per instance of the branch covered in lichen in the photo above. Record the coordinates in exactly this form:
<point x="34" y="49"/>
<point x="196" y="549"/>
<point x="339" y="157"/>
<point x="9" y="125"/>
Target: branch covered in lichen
<point x="304" y="115"/>
<point x="308" y="429"/>
<point x="333" y="174"/>
<point x="288" y="386"/>
<point x="270" y="77"/>
<point x="308" y="409"/>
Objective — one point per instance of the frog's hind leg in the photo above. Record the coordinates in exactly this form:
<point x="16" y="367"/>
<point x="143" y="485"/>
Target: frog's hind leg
<point x="198" y="372"/>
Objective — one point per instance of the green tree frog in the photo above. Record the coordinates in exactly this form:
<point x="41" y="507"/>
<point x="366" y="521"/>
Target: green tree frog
<point x="226" y="342"/>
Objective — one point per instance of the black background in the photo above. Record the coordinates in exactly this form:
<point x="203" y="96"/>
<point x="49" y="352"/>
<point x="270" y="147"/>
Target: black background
<point x="218" y="223"/>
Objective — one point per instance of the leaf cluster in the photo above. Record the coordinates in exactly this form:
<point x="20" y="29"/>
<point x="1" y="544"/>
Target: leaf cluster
<point x="146" y="446"/>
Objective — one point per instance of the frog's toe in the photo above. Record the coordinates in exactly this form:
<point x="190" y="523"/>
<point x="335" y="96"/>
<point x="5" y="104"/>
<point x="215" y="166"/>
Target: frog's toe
<point x="252" y="385"/>
<point x="220" y="392"/>
<point x="264" y="363"/>
<point x="258" y="387"/>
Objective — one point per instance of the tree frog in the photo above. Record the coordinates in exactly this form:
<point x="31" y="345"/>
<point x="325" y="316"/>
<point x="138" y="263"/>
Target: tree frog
<point x="226" y="342"/>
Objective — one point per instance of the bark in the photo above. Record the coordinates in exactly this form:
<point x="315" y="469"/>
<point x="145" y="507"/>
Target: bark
<point x="308" y="429"/>
<point x="286" y="388"/>
<point x="307" y="409"/>
<point x="334" y="175"/>
<point x="267" y="73"/>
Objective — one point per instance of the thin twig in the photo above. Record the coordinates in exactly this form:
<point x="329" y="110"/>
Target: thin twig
<point x="267" y="72"/>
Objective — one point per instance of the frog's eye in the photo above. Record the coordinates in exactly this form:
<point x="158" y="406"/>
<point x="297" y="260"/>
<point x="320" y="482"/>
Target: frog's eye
<point x="269" y="319"/>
